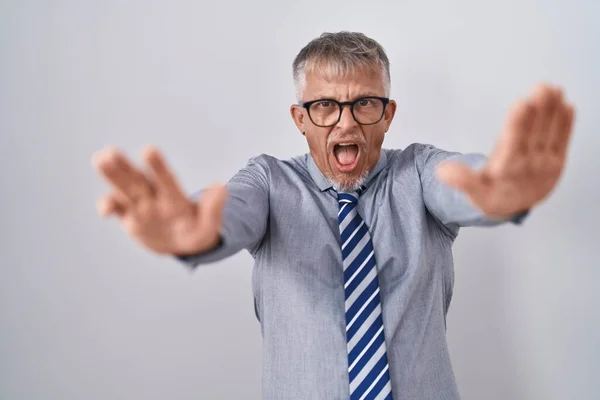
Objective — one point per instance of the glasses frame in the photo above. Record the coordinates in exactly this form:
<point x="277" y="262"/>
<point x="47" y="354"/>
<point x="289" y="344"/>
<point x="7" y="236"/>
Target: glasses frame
<point x="341" y="104"/>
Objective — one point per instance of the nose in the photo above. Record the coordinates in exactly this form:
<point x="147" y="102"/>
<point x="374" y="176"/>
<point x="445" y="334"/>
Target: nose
<point x="347" y="121"/>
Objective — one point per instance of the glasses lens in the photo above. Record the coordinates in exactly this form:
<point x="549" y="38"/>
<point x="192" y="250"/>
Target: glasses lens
<point x="324" y="112"/>
<point x="368" y="110"/>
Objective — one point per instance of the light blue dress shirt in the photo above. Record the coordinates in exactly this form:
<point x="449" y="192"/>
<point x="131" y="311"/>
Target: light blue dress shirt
<point x="285" y="214"/>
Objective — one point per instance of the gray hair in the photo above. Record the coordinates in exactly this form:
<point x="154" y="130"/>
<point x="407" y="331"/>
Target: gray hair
<point x="340" y="55"/>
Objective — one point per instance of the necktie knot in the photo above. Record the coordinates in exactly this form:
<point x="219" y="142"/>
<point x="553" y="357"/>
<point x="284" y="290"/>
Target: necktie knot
<point x="347" y="198"/>
<point x="350" y="197"/>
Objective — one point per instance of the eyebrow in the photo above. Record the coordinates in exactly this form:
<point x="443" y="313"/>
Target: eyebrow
<point x="365" y="94"/>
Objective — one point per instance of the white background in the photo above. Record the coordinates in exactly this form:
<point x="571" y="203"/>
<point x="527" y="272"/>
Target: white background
<point x="85" y="313"/>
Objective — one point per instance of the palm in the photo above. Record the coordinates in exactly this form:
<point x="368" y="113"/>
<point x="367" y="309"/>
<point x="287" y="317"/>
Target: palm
<point x="528" y="159"/>
<point x="160" y="225"/>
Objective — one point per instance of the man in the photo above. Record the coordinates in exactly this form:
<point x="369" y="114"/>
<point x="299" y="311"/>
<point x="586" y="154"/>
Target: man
<point x="352" y="243"/>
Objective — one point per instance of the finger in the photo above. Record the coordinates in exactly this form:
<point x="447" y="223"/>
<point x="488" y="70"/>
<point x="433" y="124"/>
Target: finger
<point x="562" y="139"/>
<point x="557" y="125"/>
<point x="109" y="205"/>
<point x="546" y="100"/>
<point x="514" y="139"/>
<point x="164" y="179"/>
<point x="125" y="179"/>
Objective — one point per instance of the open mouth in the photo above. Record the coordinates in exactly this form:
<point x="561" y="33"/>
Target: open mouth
<point x="346" y="156"/>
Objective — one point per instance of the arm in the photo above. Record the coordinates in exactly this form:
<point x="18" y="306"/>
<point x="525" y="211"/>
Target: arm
<point x="452" y="208"/>
<point x="522" y="170"/>
<point x="245" y="216"/>
<point x="155" y="212"/>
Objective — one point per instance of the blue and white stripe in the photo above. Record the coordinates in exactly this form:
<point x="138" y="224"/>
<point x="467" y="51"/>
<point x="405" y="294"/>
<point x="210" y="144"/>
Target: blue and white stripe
<point x="368" y="368"/>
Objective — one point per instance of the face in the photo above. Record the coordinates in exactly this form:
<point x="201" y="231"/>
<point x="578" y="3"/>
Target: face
<point x="347" y="151"/>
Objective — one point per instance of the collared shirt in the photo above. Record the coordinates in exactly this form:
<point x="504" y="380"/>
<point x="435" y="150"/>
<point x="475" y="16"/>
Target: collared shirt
<point x="284" y="212"/>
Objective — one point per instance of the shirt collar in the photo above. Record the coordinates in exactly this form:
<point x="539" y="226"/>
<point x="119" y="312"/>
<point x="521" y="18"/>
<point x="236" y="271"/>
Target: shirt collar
<point x="324" y="184"/>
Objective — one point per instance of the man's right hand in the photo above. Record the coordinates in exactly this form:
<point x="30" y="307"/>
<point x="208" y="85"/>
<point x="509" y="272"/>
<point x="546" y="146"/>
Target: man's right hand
<point x="154" y="210"/>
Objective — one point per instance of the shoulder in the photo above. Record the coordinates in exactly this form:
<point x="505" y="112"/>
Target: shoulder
<point x="270" y="163"/>
<point x="411" y="153"/>
<point x="417" y="155"/>
<point x="270" y="167"/>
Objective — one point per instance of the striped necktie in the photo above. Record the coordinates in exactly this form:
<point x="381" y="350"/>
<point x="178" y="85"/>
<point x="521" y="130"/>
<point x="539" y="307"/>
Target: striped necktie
<point x="367" y="360"/>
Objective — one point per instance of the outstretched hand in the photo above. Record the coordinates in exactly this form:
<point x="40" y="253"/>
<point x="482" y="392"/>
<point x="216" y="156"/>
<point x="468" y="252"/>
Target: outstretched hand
<point x="154" y="210"/>
<point x="528" y="159"/>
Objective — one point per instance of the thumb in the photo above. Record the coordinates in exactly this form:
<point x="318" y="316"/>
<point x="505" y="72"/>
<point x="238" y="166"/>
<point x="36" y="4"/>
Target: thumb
<point x="459" y="176"/>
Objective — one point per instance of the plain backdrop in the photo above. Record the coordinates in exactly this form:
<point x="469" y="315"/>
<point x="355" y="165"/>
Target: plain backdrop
<point x="86" y="313"/>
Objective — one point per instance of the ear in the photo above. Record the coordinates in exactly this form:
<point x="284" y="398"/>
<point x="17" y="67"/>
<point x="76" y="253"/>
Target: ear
<point x="388" y="116"/>
<point x="298" y="114"/>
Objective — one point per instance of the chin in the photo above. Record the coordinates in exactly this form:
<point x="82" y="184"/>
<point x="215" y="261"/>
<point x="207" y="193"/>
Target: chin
<point x="347" y="184"/>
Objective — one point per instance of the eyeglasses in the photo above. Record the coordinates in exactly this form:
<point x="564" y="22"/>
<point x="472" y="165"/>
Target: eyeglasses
<point x="328" y="112"/>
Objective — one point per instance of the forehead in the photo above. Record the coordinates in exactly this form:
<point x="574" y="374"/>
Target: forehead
<point x="320" y="84"/>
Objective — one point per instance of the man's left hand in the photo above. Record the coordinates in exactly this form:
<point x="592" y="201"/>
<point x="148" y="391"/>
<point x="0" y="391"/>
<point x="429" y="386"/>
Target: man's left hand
<point x="527" y="161"/>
